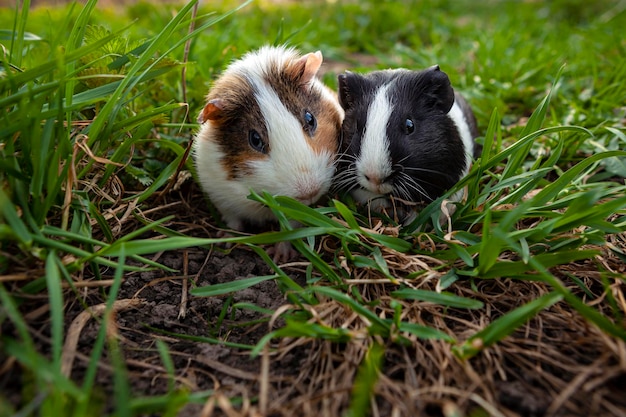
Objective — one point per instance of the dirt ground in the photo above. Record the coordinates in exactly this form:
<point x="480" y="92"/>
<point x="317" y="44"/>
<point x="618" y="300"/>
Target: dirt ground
<point x="556" y="365"/>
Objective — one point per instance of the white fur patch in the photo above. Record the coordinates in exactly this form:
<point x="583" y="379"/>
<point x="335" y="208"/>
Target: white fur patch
<point x="456" y="114"/>
<point x="374" y="163"/>
<point x="229" y="197"/>
<point x="257" y="63"/>
<point x="293" y="168"/>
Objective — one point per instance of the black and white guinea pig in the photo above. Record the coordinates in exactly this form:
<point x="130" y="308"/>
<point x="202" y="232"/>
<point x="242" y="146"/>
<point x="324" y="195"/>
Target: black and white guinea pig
<point x="406" y="135"/>
<point x="269" y="125"/>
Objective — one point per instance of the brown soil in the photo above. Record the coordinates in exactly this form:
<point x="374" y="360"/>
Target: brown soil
<point x="557" y="364"/>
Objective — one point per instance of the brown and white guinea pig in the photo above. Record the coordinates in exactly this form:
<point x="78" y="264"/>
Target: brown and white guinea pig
<point x="407" y="135"/>
<point x="269" y="125"/>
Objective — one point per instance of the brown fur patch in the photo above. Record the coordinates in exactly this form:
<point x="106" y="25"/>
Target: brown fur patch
<point x="328" y="132"/>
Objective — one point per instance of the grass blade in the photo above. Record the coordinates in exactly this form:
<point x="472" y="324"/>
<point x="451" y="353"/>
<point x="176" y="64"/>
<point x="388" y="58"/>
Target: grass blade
<point x="534" y="124"/>
<point x="425" y="332"/>
<point x="377" y="325"/>
<point x="53" y="281"/>
<point x="365" y="381"/>
<point x="17" y="227"/>
<point x="443" y="298"/>
<point x="505" y="325"/>
<point x="228" y="287"/>
<point x="298" y="328"/>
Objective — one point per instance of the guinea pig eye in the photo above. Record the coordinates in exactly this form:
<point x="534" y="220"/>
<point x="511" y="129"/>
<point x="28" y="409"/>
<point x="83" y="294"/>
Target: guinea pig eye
<point x="310" y="123"/>
<point x="256" y="142"/>
<point x="409" y="126"/>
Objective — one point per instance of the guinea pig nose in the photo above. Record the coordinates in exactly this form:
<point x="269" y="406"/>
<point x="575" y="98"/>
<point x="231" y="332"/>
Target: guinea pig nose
<point x="375" y="180"/>
<point x="309" y="196"/>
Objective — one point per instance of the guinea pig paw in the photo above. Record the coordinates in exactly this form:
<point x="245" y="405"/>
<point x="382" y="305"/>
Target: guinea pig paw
<point x="223" y="234"/>
<point x="282" y="252"/>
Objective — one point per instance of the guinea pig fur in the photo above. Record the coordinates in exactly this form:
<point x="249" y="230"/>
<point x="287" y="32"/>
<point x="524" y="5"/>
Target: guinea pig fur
<point x="269" y="125"/>
<point x="407" y="135"/>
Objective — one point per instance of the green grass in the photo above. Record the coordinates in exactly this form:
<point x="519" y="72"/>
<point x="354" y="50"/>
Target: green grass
<point x="89" y="97"/>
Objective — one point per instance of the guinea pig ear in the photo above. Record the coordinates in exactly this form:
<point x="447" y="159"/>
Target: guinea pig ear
<point x="438" y="91"/>
<point x="304" y="69"/>
<point x="349" y="83"/>
<point x="212" y="111"/>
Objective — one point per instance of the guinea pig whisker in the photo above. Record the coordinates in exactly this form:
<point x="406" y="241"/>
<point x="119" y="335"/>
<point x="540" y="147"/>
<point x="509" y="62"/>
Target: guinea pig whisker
<point x="409" y="190"/>
<point x="419" y="169"/>
<point x="346" y="157"/>
<point x="345" y="180"/>
<point x="350" y="171"/>
<point x="401" y="161"/>
<point x="343" y="165"/>
<point x="349" y="184"/>
<point x="402" y="192"/>
<point x="401" y="189"/>
<point x="412" y="187"/>
<point x="422" y="181"/>
<point x="343" y="183"/>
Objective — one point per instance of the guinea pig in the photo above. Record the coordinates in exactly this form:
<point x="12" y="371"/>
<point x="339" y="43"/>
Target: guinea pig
<point x="407" y="136"/>
<point x="268" y="125"/>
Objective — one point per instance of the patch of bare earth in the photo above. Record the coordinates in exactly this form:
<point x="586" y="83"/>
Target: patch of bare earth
<point x="555" y="365"/>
